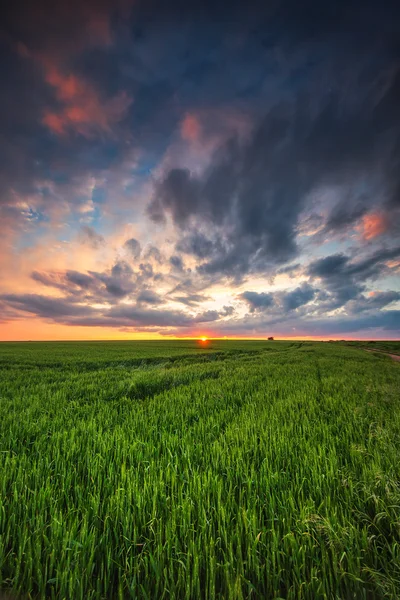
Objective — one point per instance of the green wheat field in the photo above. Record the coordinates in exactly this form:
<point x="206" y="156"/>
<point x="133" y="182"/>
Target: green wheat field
<point x="170" y="470"/>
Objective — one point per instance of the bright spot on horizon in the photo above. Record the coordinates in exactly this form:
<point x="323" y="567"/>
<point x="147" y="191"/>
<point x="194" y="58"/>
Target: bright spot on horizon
<point x="204" y="339"/>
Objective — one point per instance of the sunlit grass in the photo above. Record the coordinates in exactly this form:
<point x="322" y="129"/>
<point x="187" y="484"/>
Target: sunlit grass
<point x="165" y="470"/>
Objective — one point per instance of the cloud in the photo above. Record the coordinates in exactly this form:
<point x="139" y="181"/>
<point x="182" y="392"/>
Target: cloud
<point x="153" y="253"/>
<point x="80" y="280"/>
<point x="190" y="128"/>
<point x="374" y="301"/>
<point x="81" y="109"/>
<point x="257" y="301"/>
<point x="190" y="299"/>
<point x="340" y="265"/>
<point x="298" y="297"/>
<point x="387" y="321"/>
<point x="120" y="282"/>
<point x="345" y="279"/>
<point x="88" y="235"/>
<point x="108" y="286"/>
<point x="176" y="262"/>
<point x="75" y="27"/>
<point x="227" y="311"/>
<point x="67" y="312"/>
<point x="134" y="248"/>
<point x="290" y="270"/>
<point x="146" y="270"/>
<point x="46" y="307"/>
<point x="255" y="143"/>
<point x="374" y="225"/>
<point x="207" y="317"/>
<point x="346" y="212"/>
<point x="251" y="196"/>
<point x="279" y="302"/>
<point x="149" y="297"/>
<point x="54" y="280"/>
<point x="328" y="266"/>
<point x="197" y="244"/>
<point x="138" y="317"/>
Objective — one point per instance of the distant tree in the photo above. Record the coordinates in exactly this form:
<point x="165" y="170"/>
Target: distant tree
<point x="270" y="339"/>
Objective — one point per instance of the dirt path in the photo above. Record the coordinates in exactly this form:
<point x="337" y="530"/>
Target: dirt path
<point x="393" y="356"/>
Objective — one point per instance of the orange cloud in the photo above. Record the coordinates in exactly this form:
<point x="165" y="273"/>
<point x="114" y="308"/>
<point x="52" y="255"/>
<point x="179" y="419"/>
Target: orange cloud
<point x="89" y="24"/>
<point x="393" y="264"/>
<point x="190" y="128"/>
<point x="54" y="122"/>
<point x="373" y="225"/>
<point x="83" y="111"/>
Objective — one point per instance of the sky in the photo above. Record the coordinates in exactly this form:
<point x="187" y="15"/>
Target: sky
<point x="200" y="168"/>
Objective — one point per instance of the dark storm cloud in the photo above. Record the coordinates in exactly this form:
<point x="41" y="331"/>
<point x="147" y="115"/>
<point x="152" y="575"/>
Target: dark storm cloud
<point x="46" y="307"/>
<point x="345" y="280"/>
<point x="153" y="253"/>
<point x="108" y="286"/>
<point x="120" y="282"/>
<point x="80" y="279"/>
<point x="375" y="300"/>
<point x="81" y="282"/>
<point x="158" y="58"/>
<point x="338" y="266"/>
<point x="196" y="244"/>
<point x="299" y="297"/>
<point x="190" y="299"/>
<point x="88" y="235"/>
<point x="177" y="262"/>
<point x="65" y="312"/>
<point x="49" y="280"/>
<point x="227" y="311"/>
<point x="134" y="248"/>
<point x="214" y="315"/>
<point x="328" y="266"/>
<point x="387" y="321"/>
<point x="346" y="212"/>
<point x="146" y="270"/>
<point x="149" y="297"/>
<point x="136" y="316"/>
<point x="279" y="303"/>
<point x="208" y="316"/>
<point x="253" y="193"/>
<point x="290" y="270"/>
<point x="257" y="301"/>
<point x="243" y="196"/>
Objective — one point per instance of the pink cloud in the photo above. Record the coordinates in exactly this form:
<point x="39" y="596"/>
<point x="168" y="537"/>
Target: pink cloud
<point x="82" y="110"/>
<point x="191" y="128"/>
<point x="373" y="225"/>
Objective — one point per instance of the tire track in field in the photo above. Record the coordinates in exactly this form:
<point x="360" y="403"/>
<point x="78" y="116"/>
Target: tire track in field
<point x="395" y="357"/>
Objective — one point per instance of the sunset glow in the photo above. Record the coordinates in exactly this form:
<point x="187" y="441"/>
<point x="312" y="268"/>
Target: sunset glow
<point x="148" y="191"/>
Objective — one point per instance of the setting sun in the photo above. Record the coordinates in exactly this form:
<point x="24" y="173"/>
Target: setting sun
<point x="204" y="339"/>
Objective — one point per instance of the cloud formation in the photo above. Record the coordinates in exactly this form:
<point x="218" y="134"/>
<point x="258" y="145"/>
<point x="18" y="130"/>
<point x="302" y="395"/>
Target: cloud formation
<point x="173" y="168"/>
